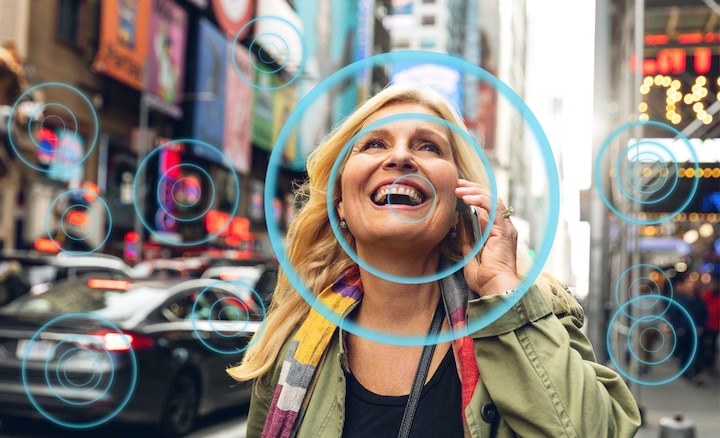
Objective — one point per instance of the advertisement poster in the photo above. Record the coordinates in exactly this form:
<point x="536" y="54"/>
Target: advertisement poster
<point x="238" y="116"/>
<point x="256" y="208"/>
<point x="166" y="57"/>
<point x="232" y="15"/>
<point x="283" y="104"/>
<point x="67" y="165"/>
<point x="209" y="101"/>
<point x="124" y="36"/>
<point x="262" y="122"/>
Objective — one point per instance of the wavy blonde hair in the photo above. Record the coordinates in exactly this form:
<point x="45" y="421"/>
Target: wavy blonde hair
<point x="314" y="251"/>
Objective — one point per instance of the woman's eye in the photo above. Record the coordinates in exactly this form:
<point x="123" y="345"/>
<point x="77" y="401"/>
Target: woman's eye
<point x="431" y="147"/>
<point x="372" y="144"/>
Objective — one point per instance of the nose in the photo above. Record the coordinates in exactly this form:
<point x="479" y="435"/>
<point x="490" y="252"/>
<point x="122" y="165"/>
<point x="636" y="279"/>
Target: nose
<point x="400" y="157"/>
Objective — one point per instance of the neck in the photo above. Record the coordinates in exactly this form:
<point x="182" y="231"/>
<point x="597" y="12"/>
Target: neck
<point x="398" y="308"/>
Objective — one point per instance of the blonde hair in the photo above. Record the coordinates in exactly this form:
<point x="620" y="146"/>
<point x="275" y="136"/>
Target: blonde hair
<point x="314" y="251"/>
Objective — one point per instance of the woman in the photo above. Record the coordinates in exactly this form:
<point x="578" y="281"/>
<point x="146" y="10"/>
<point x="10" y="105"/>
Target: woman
<point x="529" y="373"/>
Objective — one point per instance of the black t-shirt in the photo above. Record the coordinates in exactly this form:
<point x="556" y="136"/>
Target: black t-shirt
<point x="438" y="413"/>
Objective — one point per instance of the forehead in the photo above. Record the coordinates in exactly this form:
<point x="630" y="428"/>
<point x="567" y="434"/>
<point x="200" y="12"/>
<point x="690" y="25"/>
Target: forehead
<point x="403" y="108"/>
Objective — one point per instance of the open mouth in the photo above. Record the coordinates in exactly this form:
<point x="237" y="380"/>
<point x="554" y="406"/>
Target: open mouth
<point x="397" y="194"/>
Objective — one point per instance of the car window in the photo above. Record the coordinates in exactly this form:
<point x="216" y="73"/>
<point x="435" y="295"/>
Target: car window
<point x="96" y="272"/>
<point x="193" y="305"/>
<point x="79" y="296"/>
<point x="232" y="308"/>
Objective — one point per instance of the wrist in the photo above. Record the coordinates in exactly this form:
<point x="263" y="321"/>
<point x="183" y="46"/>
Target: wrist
<point x="499" y="286"/>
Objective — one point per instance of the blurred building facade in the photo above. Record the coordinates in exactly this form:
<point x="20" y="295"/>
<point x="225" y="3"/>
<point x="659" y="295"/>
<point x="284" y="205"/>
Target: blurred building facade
<point x="171" y="103"/>
<point x="655" y="143"/>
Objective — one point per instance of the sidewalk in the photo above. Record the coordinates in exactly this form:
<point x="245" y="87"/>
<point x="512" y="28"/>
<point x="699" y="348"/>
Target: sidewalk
<point x="699" y="404"/>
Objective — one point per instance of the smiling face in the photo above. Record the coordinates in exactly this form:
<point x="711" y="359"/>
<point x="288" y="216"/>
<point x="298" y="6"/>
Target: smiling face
<point x="381" y="199"/>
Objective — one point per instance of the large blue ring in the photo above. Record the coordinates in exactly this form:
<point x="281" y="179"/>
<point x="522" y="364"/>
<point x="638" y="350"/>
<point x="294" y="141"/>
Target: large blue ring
<point x="350" y="71"/>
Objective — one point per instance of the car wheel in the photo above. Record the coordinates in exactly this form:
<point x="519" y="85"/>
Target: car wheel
<point x="181" y="406"/>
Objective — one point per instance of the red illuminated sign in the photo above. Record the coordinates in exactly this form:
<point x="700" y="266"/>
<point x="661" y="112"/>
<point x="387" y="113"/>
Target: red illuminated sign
<point x="674" y="61"/>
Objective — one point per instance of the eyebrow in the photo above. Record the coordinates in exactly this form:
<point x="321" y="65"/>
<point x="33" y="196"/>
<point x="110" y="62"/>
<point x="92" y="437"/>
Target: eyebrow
<point x="418" y="131"/>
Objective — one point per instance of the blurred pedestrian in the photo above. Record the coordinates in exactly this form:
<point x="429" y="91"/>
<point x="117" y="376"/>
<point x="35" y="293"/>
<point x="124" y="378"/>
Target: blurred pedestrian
<point x="687" y="296"/>
<point x="530" y="373"/>
<point x="711" y="297"/>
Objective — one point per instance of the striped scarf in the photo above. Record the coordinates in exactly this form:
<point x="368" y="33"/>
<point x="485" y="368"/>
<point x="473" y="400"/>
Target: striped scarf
<point x="310" y="341"/>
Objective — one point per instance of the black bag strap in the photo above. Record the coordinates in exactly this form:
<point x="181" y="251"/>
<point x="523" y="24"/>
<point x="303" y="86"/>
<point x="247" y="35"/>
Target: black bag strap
<point x="421" y="374"/>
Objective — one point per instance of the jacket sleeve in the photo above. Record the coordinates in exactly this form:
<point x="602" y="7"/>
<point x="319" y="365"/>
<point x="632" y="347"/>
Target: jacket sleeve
<point x="540" y="371"/>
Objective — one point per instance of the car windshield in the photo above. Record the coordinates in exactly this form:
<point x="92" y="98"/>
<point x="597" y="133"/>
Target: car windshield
<point x="79" y="297"/>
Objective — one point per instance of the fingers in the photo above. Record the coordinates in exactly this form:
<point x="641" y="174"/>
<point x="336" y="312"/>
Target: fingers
<point x="479" y="196"/>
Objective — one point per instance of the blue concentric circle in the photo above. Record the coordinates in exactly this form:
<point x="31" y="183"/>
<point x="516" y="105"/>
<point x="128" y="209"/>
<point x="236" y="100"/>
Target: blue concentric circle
<point x="70" y="210"/>
<point x="164" y="176"/>
<point x="650" y="318"/>
<point x="351" y="71"/>
<point x="631" y="179"/>
<point x="237" y="326"/>
<point x="63" y="379"/>
<point x="62" y="382"/>
<point x="335" y="224"/>
<point x="208" y="151"/>
<point x="94" y="130"/>
<point x="598" y="177"/>
<point x="102" y="202"/>
<point x="284" y="22"/>
<point x="648" y="300"/>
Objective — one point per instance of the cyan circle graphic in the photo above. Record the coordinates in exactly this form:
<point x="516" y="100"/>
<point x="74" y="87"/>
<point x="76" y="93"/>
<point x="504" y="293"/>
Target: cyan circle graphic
<point x="207" y="149"/>
<point x="297" y="32"/>
<point x="49" y="415"/>
<point x="281" y="65"/>
<point x="94" y="130"/>
<point x="228" y="324"/>
<point x="634" y="198"/>
<point x="350" y="71"/>
<point x="645" y="299"/>
<point x="51" y="208"/>
<point x="650" y="319"/>
<point x="434" y="198"/>
<point x="598" y="176"/>
<point x="648" y="349"/>
<point x="640" y="186"/>
<point x="53" y="116"/>
<point x="89" y="211"/>
<point x="335" y="224"/>
<point x="64" y="377"/>
<point x="77" y="392"/>
<point x="618" y="366"/>
<point x="183" y="181"/>
<point x="195" y="317"/>
<point x="164" y="176"/>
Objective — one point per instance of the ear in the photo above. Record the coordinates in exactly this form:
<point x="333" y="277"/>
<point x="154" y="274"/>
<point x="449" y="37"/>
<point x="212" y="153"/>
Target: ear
<point x="341" y="210"/>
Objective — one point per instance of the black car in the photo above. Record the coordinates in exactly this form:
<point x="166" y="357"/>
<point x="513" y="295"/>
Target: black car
<point x="96" y="350"/>
<point x="32" y="271"/>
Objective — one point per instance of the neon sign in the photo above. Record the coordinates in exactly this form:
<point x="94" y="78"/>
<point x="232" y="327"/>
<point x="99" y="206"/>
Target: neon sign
<point x="680" y="85"/>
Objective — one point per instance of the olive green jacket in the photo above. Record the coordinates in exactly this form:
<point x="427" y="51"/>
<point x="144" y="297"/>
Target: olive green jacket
<point x="538" y="378"/>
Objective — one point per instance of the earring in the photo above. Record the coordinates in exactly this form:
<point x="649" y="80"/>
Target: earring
<point x="343" y="224"/>
<point x="453" y="233"/>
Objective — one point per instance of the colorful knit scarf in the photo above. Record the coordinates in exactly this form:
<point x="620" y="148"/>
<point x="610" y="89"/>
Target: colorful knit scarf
<point x="312" y="339"/>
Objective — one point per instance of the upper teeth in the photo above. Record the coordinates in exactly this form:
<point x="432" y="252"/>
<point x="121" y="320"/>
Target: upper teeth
<point x="396" y="189"/>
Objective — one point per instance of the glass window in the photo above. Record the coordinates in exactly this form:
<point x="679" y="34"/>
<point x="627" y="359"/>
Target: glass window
<point x="68" y="21"/>
<point x="428" y="20"/>
<point x="427" y="43"/>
